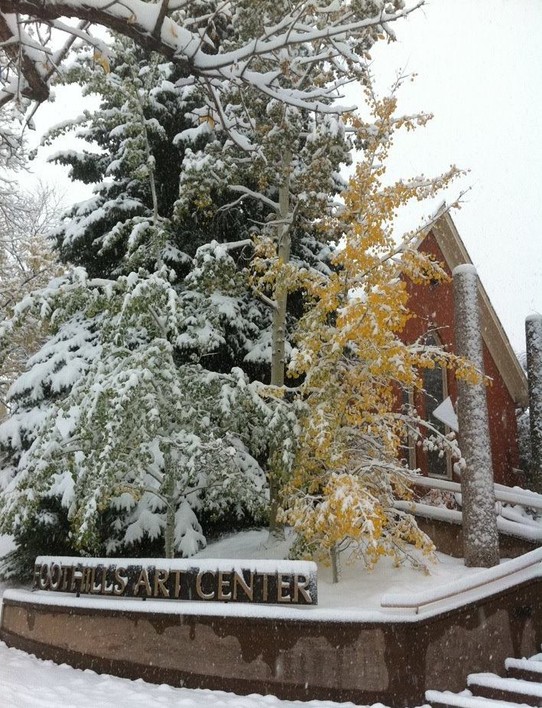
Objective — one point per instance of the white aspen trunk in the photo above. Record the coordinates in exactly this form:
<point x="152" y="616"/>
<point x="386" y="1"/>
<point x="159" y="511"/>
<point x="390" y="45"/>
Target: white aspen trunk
<point x="480" y="535"/>
<point x="278" y="332"/>
<point x="149" y="160"/>
<point x="533" y="335"/>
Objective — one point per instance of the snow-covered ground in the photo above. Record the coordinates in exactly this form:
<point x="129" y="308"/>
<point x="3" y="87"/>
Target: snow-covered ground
<point x="26" y="681"/>
<point x="358" y="589"/>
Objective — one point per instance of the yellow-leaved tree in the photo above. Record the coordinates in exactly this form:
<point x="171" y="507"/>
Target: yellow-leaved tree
<point x="356" y="367"/>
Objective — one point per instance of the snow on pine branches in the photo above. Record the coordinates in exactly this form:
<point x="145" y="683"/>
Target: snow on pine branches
<point x="189" y="33"/>
<point x="137" y="445"/>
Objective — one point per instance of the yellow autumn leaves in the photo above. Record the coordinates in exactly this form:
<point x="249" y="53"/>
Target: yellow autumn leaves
<point x="354" y="366"/>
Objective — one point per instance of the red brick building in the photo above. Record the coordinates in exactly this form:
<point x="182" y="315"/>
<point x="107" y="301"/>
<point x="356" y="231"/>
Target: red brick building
<point x="433" y="307"/>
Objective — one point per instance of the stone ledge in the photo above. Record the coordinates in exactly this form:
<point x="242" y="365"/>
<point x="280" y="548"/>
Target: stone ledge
<point x="364" y="662"/>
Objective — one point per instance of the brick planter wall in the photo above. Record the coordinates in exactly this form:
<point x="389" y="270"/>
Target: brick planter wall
<point x="392" y="661"/>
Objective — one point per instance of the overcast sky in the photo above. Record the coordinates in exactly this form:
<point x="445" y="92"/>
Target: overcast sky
<point x="479" y="71"/>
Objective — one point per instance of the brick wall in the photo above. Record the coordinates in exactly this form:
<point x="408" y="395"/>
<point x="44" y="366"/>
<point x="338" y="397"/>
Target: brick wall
<point x="433" y="306"/>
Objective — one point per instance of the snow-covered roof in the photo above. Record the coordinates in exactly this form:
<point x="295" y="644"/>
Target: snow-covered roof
<point x="455" y="254"/>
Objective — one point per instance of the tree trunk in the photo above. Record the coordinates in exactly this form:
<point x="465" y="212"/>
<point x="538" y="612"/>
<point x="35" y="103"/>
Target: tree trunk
<point x="480" y="535"/>
<point x="278" y="333"/>
<point x="169" y="531"/>
<point x="335" y="563"/>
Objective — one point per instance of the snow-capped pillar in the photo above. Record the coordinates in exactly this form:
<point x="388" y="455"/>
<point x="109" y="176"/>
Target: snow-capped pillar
<point x="533" y="335"/>
<point x="480" y="535"/>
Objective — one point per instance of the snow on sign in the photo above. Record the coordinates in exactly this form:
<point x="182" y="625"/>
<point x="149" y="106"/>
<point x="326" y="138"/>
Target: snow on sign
<point x="281" y="582"/>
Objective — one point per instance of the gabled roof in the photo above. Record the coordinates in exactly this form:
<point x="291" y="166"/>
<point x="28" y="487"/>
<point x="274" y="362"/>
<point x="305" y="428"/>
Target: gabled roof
<point x="454" y="252"/>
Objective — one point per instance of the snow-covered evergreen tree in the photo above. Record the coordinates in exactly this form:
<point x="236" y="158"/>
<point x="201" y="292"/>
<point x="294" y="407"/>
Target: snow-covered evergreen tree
<point x="129" y="231"/>
<point x="131" y="444"/>
<point x="134" y="160"/>
<point x="287" y="159"/>
<point x="147" y="126"/>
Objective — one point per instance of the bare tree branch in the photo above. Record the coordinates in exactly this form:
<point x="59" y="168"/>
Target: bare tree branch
<point x="36" y="87"/>
<point x="151" y="27"/>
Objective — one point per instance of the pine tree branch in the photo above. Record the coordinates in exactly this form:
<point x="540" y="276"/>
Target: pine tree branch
<point x="255" y="195"/>
<point x="266" y="300"/>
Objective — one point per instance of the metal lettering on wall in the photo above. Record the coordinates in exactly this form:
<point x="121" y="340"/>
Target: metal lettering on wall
<point x="296" y="586"/>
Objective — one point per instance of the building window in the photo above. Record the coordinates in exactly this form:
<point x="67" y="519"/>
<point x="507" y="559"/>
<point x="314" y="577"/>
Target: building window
<point x="435" y="383"/>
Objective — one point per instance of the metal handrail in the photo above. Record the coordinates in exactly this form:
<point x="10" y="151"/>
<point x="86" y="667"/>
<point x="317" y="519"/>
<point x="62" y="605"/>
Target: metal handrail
<point x="502" y="493"/>
<point x="465" y="585"/>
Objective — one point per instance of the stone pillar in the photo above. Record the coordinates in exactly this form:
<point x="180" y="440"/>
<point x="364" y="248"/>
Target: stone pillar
<point x="480" y="535"/>
<point x="533" y="335"/>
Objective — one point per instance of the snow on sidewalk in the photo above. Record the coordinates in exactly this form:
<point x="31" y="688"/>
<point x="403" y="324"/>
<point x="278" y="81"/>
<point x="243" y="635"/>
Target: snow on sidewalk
<point x="27" y="682"/>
